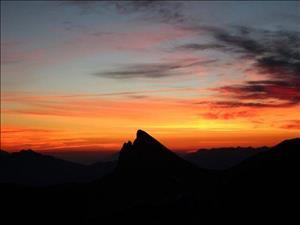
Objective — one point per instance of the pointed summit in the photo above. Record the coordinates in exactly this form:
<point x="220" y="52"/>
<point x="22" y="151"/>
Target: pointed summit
<point x="145" y="142"/>
<point x="146" y="153"/>
<point x="142" y="135"/>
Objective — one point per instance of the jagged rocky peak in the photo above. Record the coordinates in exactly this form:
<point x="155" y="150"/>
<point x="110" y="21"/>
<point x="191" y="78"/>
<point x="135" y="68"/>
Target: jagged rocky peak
<point x="147" y="153"/>
<point x="143" y="139"/>
<point x="127" y="146"/>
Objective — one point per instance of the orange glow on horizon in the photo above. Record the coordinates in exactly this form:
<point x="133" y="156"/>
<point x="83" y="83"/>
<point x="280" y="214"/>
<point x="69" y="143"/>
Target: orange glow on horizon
<point x="81" y="123"/>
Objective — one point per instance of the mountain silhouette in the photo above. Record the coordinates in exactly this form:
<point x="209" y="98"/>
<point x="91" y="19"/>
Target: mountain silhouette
<point x="31" y="168"/>
<point x="150" y="181"/>
<point x="152" y="185"/>
<point x="267" y="182"/>
<point x="281" y="158"/>
<point x="148" y="154"/>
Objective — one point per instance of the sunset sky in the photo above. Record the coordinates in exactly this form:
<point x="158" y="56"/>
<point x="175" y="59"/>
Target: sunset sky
<point x="86" y="75"/>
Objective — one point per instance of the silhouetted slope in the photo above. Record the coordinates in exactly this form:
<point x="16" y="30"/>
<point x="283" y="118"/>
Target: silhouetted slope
<point x="30" y="168"/>
<point x="268" y="183"/>
<point x="281" y="158"/>
<point x="3" y="153"/>
<point x="87" y="157"/>
<point x="221" y="158"/>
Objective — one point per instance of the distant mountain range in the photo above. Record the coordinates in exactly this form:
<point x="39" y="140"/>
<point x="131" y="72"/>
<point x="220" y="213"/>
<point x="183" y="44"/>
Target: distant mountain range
<point x="31" y="168"/>
<point x="152" y="185"/>
<point x="222" y="158"/>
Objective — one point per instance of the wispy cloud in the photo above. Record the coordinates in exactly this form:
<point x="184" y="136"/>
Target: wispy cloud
<point x="274" y="56"/>
<point x="264" y="93"/>
<point x="152" y="70"/>
<point x="292" y="125"/>
<point x="274" y="53"/>
<point x="96" y="105"/>
<point x="228" y="104"/>
<point x="196" y="47"/>
<point x="13" y="52"/>
<point x="159" y="11"/>
<point x="85" y="6"/>
<point x="88" y="44"/>
<point x="24" y="130"/>
<point x="224" y="115"/>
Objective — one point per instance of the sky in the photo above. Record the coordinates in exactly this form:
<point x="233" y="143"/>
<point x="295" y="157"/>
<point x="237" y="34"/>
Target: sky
<point x="85" y="75"/>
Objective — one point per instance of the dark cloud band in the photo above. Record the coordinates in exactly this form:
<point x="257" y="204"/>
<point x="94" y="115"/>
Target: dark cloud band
<point x="154" y="70"/>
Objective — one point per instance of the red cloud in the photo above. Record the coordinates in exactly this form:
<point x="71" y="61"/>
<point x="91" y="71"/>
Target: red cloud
<point x="292" y="125"/>
<point x="265" y="93"/>
<point x="226" y="115"/>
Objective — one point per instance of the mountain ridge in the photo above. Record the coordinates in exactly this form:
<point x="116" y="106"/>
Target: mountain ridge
<point x="28" y="167"/>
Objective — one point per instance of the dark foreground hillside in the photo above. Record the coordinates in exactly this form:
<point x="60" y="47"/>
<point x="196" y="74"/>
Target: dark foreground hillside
<point x="152" y="185"/>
